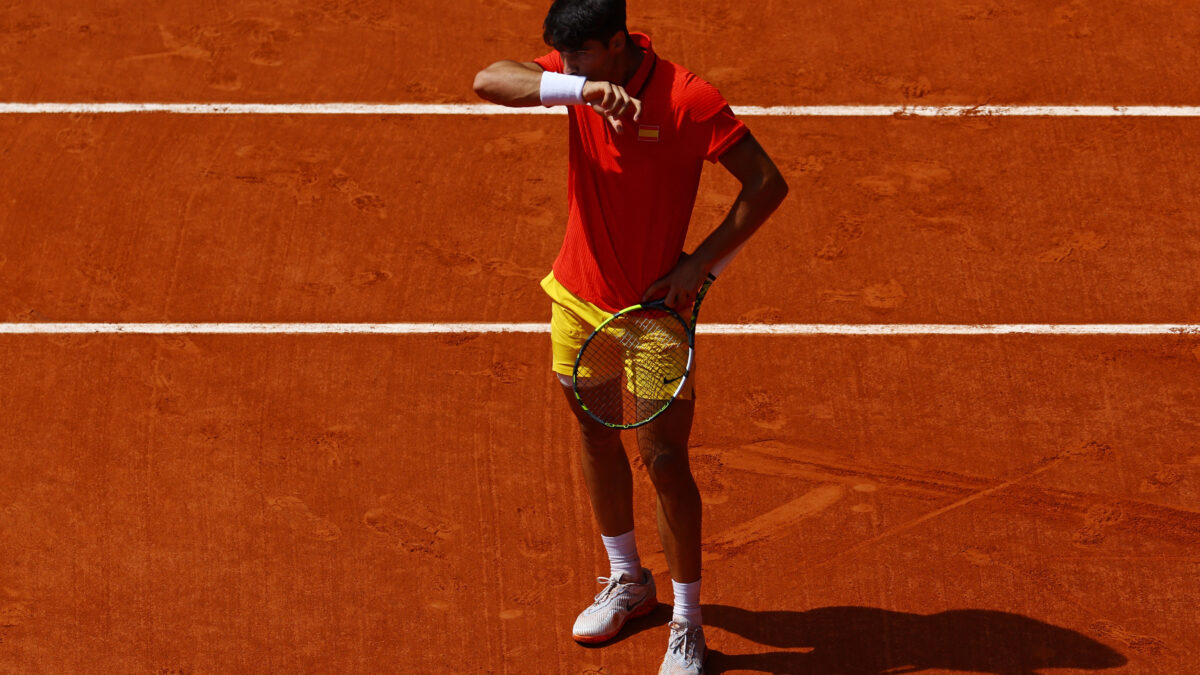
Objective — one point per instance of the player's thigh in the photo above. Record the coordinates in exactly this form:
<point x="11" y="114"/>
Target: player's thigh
<point x="670" y="431"/>
<point x="667" y="434"/>
<point x="568" y="332"/>
<point x="593" y="431"/>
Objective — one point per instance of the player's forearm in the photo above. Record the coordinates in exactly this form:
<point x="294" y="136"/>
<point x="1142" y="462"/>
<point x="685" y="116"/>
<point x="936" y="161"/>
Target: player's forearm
<point x="754" y="204"/>
<point x="510" y="83"/>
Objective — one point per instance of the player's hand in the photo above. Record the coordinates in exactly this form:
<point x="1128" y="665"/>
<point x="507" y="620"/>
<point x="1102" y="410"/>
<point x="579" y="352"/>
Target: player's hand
<point x="680" y="285"/>
<point x="611" y="101"/>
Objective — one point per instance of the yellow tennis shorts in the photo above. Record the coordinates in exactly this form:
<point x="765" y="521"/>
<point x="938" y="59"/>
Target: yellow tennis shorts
<point x="572" y="320"/>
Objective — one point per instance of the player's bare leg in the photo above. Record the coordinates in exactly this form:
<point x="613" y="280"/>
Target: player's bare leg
<point x="606" y="470"/>
<point x="629" y="590"/>
<point x="664" y="447"/>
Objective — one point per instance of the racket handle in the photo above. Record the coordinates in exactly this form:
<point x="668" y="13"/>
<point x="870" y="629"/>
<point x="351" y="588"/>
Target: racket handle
<point x="723" y="262"/>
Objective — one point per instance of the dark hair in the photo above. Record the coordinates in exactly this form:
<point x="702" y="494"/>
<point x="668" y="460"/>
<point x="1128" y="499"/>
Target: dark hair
<point x="570" y="23"/>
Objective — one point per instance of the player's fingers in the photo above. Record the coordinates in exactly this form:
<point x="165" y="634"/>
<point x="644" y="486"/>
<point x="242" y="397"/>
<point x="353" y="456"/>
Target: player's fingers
<point x="637" y="109"/>
<point x="672" y="298"/>
<point x="602" y="111"/>
<point x="689" y="295"/>
<point x="610" y="99"/>
<point x="617" y="107"/>
<point x="654" y="290"/>
<point x="622" y="104"/>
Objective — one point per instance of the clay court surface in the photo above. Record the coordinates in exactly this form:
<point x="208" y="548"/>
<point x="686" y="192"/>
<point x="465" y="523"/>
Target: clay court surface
<point x="413" y="503"/>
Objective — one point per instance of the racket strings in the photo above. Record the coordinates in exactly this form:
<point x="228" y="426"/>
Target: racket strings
<point x="633" y="366"/>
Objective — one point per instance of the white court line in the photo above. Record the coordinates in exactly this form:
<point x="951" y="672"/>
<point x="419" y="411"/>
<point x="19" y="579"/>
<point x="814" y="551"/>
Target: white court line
<point x="709" y="329"/>
<point x="489" y="109"/>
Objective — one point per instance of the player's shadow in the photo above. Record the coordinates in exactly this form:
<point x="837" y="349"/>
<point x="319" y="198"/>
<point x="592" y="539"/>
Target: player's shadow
<point x="867" y="641"/>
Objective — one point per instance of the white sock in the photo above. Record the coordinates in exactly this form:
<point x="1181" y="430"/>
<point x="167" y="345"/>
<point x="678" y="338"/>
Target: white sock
<point x="623" y="556"/>
<point x="687" y="602"/>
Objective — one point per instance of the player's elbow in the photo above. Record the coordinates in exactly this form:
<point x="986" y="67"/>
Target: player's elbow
<point x="485" y="83"/>
<point x="774" y="188"/>
<point x="492" y="84"/>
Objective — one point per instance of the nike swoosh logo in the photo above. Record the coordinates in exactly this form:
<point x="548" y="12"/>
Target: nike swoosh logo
<point x="666" y="381"/>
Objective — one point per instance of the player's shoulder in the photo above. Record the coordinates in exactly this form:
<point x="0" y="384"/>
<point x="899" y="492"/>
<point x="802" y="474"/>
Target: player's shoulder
<point x="551" y="62"/>
<point x="694" y="96"/>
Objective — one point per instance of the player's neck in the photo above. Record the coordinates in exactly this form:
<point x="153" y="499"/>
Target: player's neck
<point x="631" y="60"/>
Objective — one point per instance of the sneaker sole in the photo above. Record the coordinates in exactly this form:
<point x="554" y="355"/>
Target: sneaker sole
<point x="640" y="611"/>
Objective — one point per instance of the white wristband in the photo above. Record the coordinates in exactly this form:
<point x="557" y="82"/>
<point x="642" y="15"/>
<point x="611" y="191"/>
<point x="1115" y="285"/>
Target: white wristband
<point x="560" y="89"/>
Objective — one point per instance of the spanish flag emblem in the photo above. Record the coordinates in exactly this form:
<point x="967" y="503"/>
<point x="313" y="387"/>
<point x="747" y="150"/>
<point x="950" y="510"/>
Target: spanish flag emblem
<point x="647" y="133"/>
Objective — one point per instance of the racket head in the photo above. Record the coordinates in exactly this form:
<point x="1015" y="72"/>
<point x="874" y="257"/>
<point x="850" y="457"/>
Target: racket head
<point x="634" y="365"/>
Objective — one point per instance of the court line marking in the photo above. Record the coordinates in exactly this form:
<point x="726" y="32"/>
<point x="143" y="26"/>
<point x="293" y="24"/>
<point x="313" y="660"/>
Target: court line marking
<point x="708" y="329"/>
<point x="1041" y="467"/>
<point x="491" y="109"/>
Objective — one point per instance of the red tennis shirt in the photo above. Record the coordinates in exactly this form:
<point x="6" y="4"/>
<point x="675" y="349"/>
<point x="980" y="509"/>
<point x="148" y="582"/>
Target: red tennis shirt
<point x="630" y="196"/>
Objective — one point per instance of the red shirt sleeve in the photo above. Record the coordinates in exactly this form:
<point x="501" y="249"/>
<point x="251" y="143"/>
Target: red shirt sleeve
<point x="551" y="62"/>
<point x="709" y="125"/>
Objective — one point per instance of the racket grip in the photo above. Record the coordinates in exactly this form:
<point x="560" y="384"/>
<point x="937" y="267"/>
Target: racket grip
<point x="724" y="262"/>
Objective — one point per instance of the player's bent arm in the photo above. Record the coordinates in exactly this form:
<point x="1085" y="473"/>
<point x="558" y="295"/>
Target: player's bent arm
<point x="509" y="83"/>
<point x="763" y="190"/>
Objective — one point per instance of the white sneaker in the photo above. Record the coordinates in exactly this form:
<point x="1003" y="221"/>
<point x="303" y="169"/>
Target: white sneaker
<point x="618" y="602"/>
<point x="685" y="650"/>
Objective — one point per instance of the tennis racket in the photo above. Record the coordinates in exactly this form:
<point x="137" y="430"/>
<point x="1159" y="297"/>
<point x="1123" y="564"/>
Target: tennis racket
<point x="636" y="363"/>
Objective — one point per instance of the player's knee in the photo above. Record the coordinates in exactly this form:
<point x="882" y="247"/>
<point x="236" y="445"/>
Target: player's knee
<point x="669" y="472"/>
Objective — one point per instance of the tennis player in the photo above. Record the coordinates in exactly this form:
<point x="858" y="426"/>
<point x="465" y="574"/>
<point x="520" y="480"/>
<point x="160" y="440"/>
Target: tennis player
<point x="640" y="129"/>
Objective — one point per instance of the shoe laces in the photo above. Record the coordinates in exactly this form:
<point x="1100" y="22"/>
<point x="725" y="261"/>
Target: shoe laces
<point x="610" y="585"/>
<point x="683" y="641"/>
